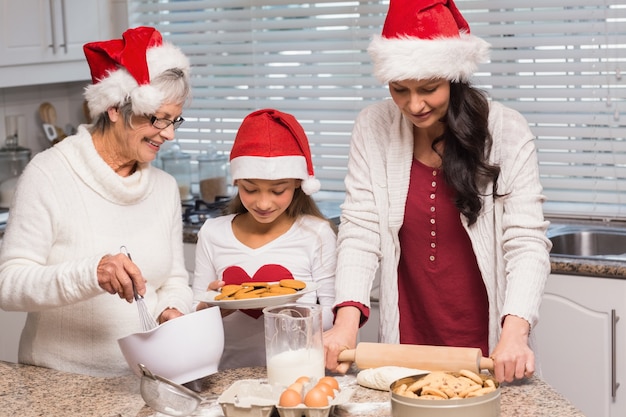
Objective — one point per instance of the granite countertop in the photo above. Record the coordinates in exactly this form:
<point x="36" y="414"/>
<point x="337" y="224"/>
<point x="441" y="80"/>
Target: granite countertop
<point x="588" y="267"/>
<point x="27" y="391"/>
<point x="190" y="234"/>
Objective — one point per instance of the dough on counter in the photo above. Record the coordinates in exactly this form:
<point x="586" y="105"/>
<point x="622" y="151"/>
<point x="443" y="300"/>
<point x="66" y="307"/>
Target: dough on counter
<point x="381" y="378"/>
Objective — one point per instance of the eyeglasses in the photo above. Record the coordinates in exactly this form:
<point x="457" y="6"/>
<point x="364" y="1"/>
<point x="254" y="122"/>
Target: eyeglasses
<point x="164" y="123"/>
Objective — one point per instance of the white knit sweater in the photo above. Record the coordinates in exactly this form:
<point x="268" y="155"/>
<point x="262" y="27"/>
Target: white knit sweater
<point x="69" y="210"/>
<point x="508" y="238"/>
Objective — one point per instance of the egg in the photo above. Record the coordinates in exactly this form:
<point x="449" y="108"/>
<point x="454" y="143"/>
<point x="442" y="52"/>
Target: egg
<point x="303" y="380"/>
<point x="326" y="388"/>
<point x="330" y="381"/>
<point x="297" y="387"/>
<point x="316" y="398"/>
<point x="289" y="398"/>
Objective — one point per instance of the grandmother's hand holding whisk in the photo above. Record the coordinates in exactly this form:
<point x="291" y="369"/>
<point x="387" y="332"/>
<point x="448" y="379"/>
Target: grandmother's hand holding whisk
<point x="115" y="276"/>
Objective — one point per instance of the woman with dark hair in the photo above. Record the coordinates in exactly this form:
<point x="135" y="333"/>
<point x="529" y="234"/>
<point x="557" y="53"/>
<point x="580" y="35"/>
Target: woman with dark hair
<point x="442" y="198"/>
<point x="80" y="201"/>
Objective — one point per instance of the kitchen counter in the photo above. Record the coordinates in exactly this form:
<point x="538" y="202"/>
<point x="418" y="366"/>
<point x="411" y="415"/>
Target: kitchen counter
<point x="33" y="391"/>
<point x="588" y="267"/>
<point x="190" y="234"/>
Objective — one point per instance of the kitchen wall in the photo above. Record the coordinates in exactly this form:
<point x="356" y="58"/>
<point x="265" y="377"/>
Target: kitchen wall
<point x="65" y="97"/>
<point x="24" y="101"/>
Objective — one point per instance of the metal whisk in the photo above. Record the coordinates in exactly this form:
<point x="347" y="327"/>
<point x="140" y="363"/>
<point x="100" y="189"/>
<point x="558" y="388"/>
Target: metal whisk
<point x="147" y="321"/>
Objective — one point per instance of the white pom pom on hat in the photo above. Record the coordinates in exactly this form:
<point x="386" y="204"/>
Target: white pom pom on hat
<point x="122" y="69"/>
<point x="272" y="145"/>
<point x="426" y="39"/>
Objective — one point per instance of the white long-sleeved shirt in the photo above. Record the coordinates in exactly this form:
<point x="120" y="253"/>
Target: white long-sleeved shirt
<point x="69" y="210"/>
<point x="509" y="238"/>
<point x="307" y="250"/>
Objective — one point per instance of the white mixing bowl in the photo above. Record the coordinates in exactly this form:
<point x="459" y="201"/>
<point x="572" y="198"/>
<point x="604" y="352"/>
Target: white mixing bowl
<point x="181" y="350"/>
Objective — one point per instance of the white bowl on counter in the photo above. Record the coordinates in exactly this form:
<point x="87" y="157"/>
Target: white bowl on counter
<point x="182" y="350"/>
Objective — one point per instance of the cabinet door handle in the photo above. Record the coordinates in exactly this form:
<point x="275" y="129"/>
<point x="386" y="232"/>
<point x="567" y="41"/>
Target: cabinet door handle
<point x="614" y="383"/>
<point x="53" y="27"/>
<point x="64" y="25"/>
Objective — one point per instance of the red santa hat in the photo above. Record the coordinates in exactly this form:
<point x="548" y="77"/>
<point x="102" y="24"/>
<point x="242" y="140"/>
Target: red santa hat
<point x="426" y="39"/>
<point x="122" y="69"/>
<point x="272" y="145"/>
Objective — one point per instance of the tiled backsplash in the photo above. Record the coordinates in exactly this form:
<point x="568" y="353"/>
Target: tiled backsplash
<point x="66" y="98"/>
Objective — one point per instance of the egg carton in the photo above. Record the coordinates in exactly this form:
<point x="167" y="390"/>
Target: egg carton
<point x="341" y="397"/>
<point x="249" y="398"/>
<point x="253" y="398"/>
<point x="303" y="411"/>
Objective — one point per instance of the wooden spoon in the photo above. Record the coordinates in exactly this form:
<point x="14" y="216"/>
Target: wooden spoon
<point x="48" y="115"/>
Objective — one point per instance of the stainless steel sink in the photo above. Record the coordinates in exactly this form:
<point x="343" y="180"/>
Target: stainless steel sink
<point x="589" y="242"/>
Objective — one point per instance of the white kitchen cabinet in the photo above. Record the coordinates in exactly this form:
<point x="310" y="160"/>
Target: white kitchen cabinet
<point x="189" y="252"/>
<point x="11" y="325"/>
<point x="582" y="342"/>
<point x="41" y="41"/>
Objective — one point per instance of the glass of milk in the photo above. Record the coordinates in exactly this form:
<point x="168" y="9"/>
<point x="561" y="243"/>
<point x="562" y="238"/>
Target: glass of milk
<point x="293" y="342"/>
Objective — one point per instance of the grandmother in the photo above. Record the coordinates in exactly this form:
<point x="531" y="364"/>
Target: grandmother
<point x="80" y="201"/>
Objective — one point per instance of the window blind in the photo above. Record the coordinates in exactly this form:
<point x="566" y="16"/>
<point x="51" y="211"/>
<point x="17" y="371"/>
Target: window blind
<point x="558" y="62"/>
<point x="307" y="59"/>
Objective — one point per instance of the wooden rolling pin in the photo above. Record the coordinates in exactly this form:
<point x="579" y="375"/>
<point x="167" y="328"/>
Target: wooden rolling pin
<point x="428" y="358"/>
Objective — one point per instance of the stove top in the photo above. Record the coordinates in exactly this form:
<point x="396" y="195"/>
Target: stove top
<point x="195" y="213"/>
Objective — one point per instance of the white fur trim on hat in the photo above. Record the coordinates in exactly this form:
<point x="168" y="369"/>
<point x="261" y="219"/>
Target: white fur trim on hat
<point x="411" y="58"/>
<point x="269" y="168"/>
<point x="164" y="57"/>
<point x="119" y="85"/>
<point x="110" y="92"/>
<point x="310" y="185"/>
<point x="274" y="168"/>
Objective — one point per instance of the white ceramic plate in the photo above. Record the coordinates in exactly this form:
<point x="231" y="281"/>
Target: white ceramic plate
<point x="262" y="302"/>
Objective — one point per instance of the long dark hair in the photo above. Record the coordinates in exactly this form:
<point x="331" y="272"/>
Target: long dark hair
<point x="467" y="144"/>
<point x="300" y="204"/>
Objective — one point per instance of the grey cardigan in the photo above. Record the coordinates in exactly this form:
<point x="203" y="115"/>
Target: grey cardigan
<point x="508" y="238"/>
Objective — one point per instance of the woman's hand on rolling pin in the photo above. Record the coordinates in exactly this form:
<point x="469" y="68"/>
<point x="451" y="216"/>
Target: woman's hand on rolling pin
<point x="512" y="358"/>
<point x="115" y="275"/>
<point x="341" y="336"/>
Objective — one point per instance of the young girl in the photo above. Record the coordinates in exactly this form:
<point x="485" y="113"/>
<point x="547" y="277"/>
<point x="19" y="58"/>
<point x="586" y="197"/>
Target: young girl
<point x="273" y="230"/>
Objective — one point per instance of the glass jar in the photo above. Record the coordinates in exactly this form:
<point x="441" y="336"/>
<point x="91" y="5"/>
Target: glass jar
<point x="212" y="175"/>
<point x="13" y="159"/>
<point x="178" y="164"/>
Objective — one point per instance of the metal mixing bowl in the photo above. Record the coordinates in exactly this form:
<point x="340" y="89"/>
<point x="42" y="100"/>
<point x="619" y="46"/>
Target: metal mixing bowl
<point x="165" y="396"/>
